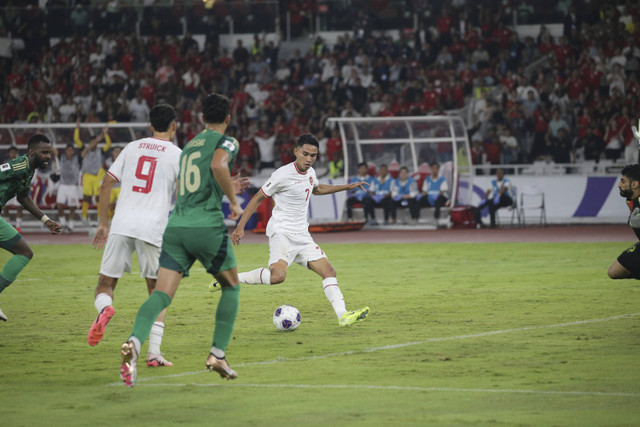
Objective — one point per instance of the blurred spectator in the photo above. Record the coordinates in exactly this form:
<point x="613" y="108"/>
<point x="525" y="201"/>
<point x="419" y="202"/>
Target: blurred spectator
<point x="404" y="192"/>
<point x="363" y="197"/>
<point x="434" y="191"/>
<point x="266" y="141"/>
<point x="382" y="196"/>
<point x="497" y="196"/>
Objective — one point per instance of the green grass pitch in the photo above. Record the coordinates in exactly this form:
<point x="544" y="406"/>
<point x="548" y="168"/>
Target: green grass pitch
<point x="459" y="334"/>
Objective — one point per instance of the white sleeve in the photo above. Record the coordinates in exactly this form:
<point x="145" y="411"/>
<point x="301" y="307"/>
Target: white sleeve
<point x="272" y="186"/>
<point x="117" y="167"/>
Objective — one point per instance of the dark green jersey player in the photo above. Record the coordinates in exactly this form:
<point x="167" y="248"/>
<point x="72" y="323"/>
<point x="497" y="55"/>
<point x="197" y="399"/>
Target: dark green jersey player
<point x="15" y="180"/>
<point x="196" y="231"/>
<point x="199" y="202"/>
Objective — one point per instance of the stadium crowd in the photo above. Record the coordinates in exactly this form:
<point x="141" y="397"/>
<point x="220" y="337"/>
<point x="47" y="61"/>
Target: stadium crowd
<point x="567" y="99"/>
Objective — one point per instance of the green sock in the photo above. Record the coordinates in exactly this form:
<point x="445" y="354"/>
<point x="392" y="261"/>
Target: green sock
<point x="148" y="314"/>
<point x="226" y="316"/>
<point x="11" y="269"/>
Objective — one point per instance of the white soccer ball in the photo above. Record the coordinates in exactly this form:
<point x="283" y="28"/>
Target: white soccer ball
<point x="286" y="318"/>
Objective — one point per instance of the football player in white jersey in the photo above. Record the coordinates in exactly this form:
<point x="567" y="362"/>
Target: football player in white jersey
<point x="147" y="170"/>
<point x="291" y="187"/>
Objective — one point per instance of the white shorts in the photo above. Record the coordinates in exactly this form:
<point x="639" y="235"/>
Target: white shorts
<point x="299" y="248"/>
<point x="117" y="257"/>
<point x="68" y="195"/>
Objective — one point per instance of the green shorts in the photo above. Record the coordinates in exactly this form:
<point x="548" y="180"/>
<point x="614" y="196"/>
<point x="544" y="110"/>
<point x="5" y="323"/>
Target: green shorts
<point x="9" y="236"/>
<point x="182" y="246"/>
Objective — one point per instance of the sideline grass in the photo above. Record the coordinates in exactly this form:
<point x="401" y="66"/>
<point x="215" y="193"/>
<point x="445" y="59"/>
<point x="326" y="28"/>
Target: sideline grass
<point x="492" y="334"/>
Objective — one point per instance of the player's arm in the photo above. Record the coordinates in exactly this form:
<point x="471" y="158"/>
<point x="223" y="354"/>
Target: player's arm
<point x="102" y="232"/>
<point x="107" y="140"/>
<point x="323" y="189"/>
<point x="91" y="145"/>
<point x="76" y="135"/>
<point x="26" y="201"/>
<point x="220" y="169"/>
<point x="252" y="206"/>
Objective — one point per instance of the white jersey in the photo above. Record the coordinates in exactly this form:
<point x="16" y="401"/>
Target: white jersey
<point x="291" y="191"/>
<point x="147" y="170"/>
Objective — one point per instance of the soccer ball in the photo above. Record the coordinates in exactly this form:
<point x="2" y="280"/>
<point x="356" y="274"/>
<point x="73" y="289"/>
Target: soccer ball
<point x="286" y="318"/>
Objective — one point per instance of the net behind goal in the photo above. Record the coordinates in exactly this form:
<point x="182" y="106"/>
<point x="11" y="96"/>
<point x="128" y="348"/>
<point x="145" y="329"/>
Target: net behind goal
<point x="414" y="142"/>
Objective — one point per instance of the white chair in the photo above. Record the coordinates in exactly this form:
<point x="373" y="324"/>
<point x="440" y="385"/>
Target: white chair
<point x="532" y="199"/>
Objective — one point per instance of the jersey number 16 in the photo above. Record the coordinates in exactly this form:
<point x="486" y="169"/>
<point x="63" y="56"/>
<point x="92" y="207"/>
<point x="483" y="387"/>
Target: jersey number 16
<point x="190" y="173"/>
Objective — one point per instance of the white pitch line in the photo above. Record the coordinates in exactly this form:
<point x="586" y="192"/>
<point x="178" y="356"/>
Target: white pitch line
<point x="406" y="388"/>
<point x="401" y="345"/>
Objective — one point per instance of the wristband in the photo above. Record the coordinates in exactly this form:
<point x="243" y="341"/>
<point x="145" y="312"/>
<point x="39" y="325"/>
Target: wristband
<point x="44" y="219"/>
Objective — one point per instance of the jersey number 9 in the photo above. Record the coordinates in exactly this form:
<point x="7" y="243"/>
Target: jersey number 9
<point x="145" y="171"/>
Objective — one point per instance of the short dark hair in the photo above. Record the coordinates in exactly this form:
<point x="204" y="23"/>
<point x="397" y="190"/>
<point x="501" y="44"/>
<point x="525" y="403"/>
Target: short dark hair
<point x="13" y="148"/>
<point x="632" y="172"/>
<point x="405" y="168"/>
<point x="215" y="108"/>
<point x="307" y="138"/>
<point x="70" y="145"/>
<point x="161" y="117"/>
<point x="37" y="139"/>
<point x="362" y="164"/>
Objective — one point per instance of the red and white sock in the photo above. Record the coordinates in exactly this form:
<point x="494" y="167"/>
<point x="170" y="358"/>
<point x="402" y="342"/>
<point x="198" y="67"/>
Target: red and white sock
<point x="260" y="276"/>
<point x="333" y="294"/>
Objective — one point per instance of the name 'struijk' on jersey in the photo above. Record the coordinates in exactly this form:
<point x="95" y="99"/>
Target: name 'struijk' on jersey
<point x="153" y="147"/>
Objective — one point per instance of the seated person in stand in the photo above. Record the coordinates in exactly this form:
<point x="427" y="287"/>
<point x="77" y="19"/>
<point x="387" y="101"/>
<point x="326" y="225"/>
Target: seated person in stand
<point x="404" y="191"/>
<point x="434" y="191"/>
<point x="496" y="197"/>
<point x="359" y="195"/>
<point x="382" y="196"/>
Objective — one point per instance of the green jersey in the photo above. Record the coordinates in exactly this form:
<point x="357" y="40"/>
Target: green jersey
<point x="199" y="201"/>
<point x="15" y="178"/>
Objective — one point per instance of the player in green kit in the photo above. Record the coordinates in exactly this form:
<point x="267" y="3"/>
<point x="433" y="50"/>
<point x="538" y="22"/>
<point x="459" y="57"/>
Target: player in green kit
<point x="196" y="231"/>
<point x="15" y="180"/>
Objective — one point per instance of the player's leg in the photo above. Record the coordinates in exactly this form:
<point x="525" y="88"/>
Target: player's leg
<point x="369" y="211"/>
<point x="324" y="269"/>
<point x="13" y="242"/>
<point x="386" y="204"/>
<point x="168" y="281"/>
<point x="226" y="314"/>
<point x="350" y="202"/>
<point x="104" y="305"/>
<point x="154" y="354"/>
<point x="626" y="265"/>
<point x="279" y="260"/>
<point x="60" y="206"/>
<point x="213" y="249"/>
<point x="87" y="188"/>
<point x="440" y="202"/>
<point x="116" y="259"/>
<point x="332" y="291"/>
<point x="315" y="260"/>
<point x="414" y="209"/>
<point x="61" y="217"/>
<point x="617" y="271"/>
<point x="175" y="263"/>
<point x="148" y="256"/>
